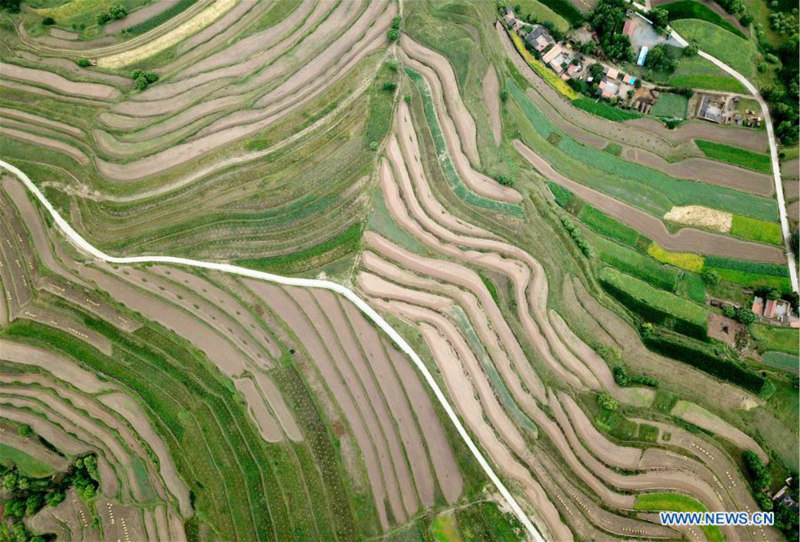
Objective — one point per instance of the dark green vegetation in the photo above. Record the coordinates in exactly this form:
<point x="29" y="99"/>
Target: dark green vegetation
<point x="485" y="521"/>
<point x="607" y="19"/>
<point x="690" y="9"/>
<point x="734" y="155"/>
<point x="675" y="502"/>
<point x="702" y="358"/>
<point x="27" y="495"/>
<point x="381" y="105"/>
<point x="605" y="110"/>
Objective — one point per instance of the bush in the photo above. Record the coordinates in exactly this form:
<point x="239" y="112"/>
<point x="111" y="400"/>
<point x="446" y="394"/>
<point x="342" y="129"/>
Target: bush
<point x="606" y="402"/>
<point x="83" y="62"/>
<point x="393" y="34"/>
<point x="151" y="77"/>
<point x="711" y="277"/>
<point x="396" y="22"/>
<point x="690" y="50"/>
<point x="746" y="316"/>
<point x="25" y="430"/>
<point x="504" y="180"/>
<point x="102" y="18"/>
<point x="141" y="82"/>
<point x="621" y="376"/>
<point x="48" y="21"/>
<point x="118" y="11"/>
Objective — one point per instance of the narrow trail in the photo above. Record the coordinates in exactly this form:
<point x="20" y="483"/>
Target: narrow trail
<point x="76" y="239"/>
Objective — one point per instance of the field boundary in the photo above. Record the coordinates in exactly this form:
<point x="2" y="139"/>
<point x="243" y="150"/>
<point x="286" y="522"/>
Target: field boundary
<point x="75" y="238"/>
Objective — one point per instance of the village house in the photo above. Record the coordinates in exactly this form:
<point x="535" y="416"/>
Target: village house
<point x="777" y="311"/>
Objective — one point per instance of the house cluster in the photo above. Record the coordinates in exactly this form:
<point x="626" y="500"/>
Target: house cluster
<point x="722" y="109"/>
<point x="775" y="311"/>
<point x="612" y="84"/>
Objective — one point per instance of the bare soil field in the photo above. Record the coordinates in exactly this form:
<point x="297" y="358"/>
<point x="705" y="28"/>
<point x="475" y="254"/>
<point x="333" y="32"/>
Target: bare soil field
<point x="491" y="95"/>
<point x="58" y="83"/>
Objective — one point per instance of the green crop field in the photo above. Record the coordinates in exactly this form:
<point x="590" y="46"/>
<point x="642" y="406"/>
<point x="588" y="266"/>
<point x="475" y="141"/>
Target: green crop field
<point x="736" y="156"/>
<point x="674" y="502"/>
<point x="781" y="360"/>
<point x="738" y="53"/>
<point x="605" y="110"/>
<point x="757" y="230"/>
<point x="690" y="9"/>
<point x="610" y="227"/>
<point x="635" y="263"/>
<point x="30" y="466"/>
<point x="670" y="105"/>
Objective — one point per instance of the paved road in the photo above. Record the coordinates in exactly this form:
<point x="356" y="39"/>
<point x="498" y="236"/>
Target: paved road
<point x="85" y="246"/>
<point x="776" y="167"/>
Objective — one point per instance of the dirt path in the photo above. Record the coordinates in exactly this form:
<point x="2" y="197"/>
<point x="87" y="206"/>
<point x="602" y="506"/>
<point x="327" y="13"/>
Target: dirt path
<point x="491" y="96"/>
<point x="686" y="240"/>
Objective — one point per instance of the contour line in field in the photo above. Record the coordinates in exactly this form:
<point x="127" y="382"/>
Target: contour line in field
<point x="373" y="315"/>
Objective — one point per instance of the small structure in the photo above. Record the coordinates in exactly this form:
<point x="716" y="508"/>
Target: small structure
<point x="758" y="305"/>
<point x="769" y="308"/>
<point x="784" y="497"/>
<point x="539" y="38"/>
<point x="710" y="108"/>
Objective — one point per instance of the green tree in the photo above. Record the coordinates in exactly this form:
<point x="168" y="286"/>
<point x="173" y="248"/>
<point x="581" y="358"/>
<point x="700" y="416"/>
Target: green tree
<point x="54" y="498"/>
<point x="102" y="18"/>
<point x="151" y="77"/>
<point x="48" y="21"/>
<point x="621" y="375"/>
<point x="659" y="59"/>
<point x="711" y="277"/>
<point x="690" y="50"/>
<point x="393" y="34"/>
<point x="746" y="316"/>
<point x="660" y="18"/>
<point x="83" y="62"/>
<point x="25" y="430"/>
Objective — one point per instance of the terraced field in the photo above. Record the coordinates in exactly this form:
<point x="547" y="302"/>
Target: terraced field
<point x="409" y="155"/>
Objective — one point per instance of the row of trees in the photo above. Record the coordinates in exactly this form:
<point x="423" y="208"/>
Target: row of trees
<point x="115" y="12"/>
<point x="607" y="20"/>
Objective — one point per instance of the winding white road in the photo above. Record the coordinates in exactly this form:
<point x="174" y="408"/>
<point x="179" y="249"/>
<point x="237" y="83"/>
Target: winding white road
<point x="75" y="238"/>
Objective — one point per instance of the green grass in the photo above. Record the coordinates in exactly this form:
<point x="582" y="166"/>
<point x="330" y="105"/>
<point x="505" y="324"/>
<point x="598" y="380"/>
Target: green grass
<point x="566" y="10"/>
<point x="484" y="521"/>
<point x="781" y="360"/>
<point x="734" y="51"/>
<point x="689" y="9"/>
<point x="670" y="105"/>
<point x="542" y="13"/>
<point x="28" y="465"/>
<point x="381" y="105"/>
<point x="311" y="258"/>
<point x="708" y="82"/>
<point x="734" y="155"/>
<point x="610" y="227"/>
<point x="655" y="305"/>
<point x="757" y="230"/>
<point x="605" y="110"/>
<point x="561" y="194"/>
<point x="614" y="149"/>
<point x="753" y="280"/>
<point x="444" y="528"/>
<point x="491" y="287"/>
<point x="778" y="339"/>
<point x="673" y="502"/>
<point x="693" y="287"/>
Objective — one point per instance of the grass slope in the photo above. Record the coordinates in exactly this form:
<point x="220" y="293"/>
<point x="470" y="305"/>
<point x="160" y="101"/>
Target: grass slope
<point x="689" y="9"/>
<point x="673" y="502"/>
<point x="735" y="52"/>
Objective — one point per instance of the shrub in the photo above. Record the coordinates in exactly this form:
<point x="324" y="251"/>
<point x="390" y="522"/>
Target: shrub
<point x="118" y="11"/>
<point x="25" y="430"/>
<point x="102" y="18"/>
<point x="141" y="82"/>
<point x="373" y="146"/>
<point x="393" y="64"/>
<point x="621" y="376"/>
<point x="746" y="316"/>
<point x="504" y="180"/>
<point x="606" y="402"/>
<point x="393" y="34"/>
<point x="396" y="22"/>
<point x="83" y="62"/>
<point x="711" y="277"/>
<point x="389" y="86"/>
<point x="48" y="21"/>
<point x="151" y="77"/>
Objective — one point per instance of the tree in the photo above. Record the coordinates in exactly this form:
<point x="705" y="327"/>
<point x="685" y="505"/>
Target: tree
<point x="389" y="86"/>
<point x="607" y="20"/>
<point x="83" y="62"/>
<point x="102" y="18"/>
<point x="729" y="311"/>
<point x="773" y="293"/>
<point x="659" y="59"/>
<point x="505" y="181"/>
<point x="690" y="50"/>
<point x="393" y="34"/>
<point x="396" y="22"/>
<point x="11" y="6"/>
<point x="621" y="376"/>
<point x="14" y="507"/>
<point x="33" y="503"/>
<point x="25" y="430"/>
<point x="711" y="277"/>
<point x="660" y="18"/>
<point x="54" y="498"/>
<point x="23" y="483"/>
<point x="746" y="316"/>
<point x="48" y="21"/>
<point x="503" y="94"/>
<point x="117" y="11"/>
<point x="151" y="77"/>
<point x="393" y="64"/>
<point x="10" y="480"/>
<point x="141" y="82"/>
<point x="606" y="402"/>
